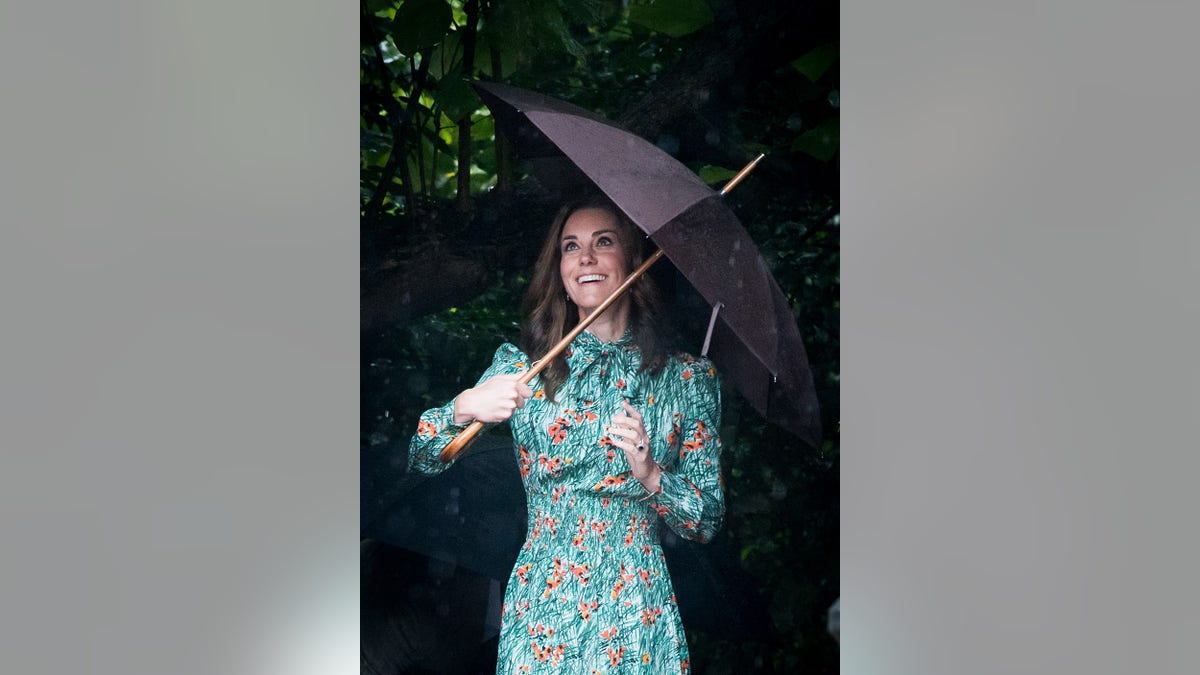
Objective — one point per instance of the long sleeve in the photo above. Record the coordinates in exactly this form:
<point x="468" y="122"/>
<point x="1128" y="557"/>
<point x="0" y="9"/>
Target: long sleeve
<point x="436" y="428"/>
<point x="692" y="501"/>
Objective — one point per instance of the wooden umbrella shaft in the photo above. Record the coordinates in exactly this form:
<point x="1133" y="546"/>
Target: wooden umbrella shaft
<point x="464" y="439"/>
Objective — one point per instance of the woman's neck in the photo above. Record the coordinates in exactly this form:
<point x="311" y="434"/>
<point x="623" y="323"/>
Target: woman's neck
<point x="610" y="325"/>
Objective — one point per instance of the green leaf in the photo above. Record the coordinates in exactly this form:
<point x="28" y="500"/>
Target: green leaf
<point x="715" y="174"/>
<point x="446" y="58"/>
<point x="483" y="129"/>
<point x="377" y="6"/>
<point x="820" y="142"/>
<point x="456" y="98"/>
<point x="419" y="24"/>
<point x="672" y="17"/>
<point x="814" y="64"/>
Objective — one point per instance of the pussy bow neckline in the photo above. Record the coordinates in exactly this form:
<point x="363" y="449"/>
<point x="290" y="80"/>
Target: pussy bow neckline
<point x="596" y="365"/>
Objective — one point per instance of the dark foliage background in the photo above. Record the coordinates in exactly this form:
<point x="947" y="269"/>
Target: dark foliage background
<point x="450" y="225"/>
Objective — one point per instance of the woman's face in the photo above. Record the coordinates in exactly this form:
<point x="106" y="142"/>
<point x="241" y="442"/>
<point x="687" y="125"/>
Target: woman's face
<point x="593" y="257"/>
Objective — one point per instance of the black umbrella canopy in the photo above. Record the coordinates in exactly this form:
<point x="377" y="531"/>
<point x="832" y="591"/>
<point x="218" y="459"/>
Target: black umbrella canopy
<point x="755" y="342"/>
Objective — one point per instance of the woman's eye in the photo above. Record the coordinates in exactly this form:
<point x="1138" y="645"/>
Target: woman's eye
<point x="570" y="246"/>
<point x="604" y="241"/>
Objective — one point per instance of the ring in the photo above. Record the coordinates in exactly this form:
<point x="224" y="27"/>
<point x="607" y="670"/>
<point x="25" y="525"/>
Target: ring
<point x="641" y="447"/>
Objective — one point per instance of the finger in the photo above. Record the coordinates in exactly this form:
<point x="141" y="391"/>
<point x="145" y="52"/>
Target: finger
<point x="633" y="412"/>
<point x="624" y="433"/>
<point x="524" y="390"/>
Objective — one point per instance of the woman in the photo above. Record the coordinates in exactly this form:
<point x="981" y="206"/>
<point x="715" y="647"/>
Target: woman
<point x="610" y="436"/>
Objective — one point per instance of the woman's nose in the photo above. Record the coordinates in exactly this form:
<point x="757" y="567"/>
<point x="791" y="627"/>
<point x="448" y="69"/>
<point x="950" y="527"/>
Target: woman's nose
<point x="588" y="256"/>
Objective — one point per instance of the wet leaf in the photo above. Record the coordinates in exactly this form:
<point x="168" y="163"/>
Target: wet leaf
<point x="456" y="98"/>
<point x="814" y="64"/>
<point x="419" y="24"/>
<point x="715" y="174"/>
<point x="672" y="17"/>
<point x="821" y="142"/>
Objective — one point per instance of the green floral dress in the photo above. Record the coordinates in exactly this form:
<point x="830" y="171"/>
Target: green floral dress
<point x="590" y="592"/>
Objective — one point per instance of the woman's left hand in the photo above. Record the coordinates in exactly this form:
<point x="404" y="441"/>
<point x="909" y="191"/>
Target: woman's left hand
<point x="628" y="432"/>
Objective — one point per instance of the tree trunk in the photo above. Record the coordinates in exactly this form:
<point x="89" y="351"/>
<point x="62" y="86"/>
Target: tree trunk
<point x="464" y="125"/>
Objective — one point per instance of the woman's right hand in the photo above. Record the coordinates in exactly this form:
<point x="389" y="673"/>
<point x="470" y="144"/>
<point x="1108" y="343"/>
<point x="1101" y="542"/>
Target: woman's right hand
<point x="494" y="400"/>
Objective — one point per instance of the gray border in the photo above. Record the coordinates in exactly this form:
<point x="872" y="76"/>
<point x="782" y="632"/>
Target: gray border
<point x="178" y="272"/>
<point x="1019" y="324"/>
<point x="178" y="277"/>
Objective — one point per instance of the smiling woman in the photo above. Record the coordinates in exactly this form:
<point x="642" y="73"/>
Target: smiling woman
<point x="611" y="436"/>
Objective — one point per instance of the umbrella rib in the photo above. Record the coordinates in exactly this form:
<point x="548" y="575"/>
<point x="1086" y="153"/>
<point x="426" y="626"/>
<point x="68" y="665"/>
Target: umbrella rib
<point x="712" y="321"/>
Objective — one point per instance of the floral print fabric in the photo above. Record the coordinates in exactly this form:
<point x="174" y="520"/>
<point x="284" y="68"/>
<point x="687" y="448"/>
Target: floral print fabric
<point x="590" y="592"/>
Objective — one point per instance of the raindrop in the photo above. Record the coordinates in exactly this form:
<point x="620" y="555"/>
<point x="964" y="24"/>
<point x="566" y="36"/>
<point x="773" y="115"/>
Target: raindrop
<point x="778" y="490"/>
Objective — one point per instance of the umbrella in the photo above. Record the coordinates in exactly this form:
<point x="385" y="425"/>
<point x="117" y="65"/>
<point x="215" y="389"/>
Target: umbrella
<point x="753" y="337"/>
<point x="473" y="517"/>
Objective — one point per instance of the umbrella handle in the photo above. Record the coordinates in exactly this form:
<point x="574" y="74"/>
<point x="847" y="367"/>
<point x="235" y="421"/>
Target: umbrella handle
<point x="467" y="437"/>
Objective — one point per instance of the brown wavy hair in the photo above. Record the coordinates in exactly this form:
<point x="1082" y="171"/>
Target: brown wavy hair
<point x="549" y="314"/>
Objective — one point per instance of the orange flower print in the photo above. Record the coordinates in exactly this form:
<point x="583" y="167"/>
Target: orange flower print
<point x="526" y="461"/>
<point x="609" y="633"/>
<point x="552" y="465"/>
<point x="687" y="375"/>
<point x="610" y="481"/>
<point x="558" y="431"/>
<point x="586" y="609"/>
<point x="614" y="657"/>
<point x="625" y="579"/>
<point x="598" y="528"/>
<point x="581" y="573"/>
<point x="426" y="429"/>
<point x="553" y="654"/>
<point x="620" y="383"/>
<point x="539" y="395"/>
